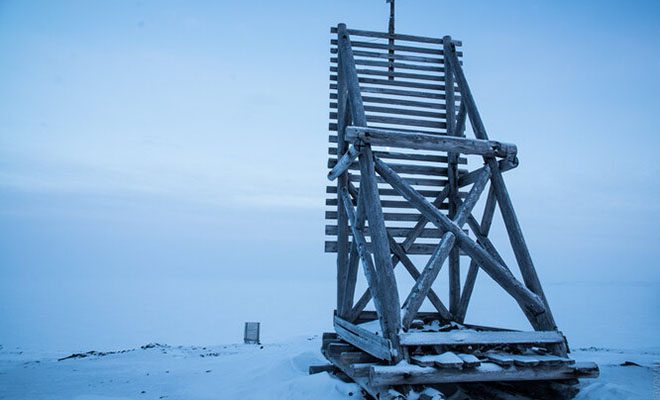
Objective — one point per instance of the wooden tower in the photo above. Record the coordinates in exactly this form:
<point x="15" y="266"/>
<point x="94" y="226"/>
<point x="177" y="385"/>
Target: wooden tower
<point x="399" y="155"/>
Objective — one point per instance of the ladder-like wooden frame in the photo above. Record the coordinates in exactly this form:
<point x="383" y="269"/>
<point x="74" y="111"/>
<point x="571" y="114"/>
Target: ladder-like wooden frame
<point x="359" y="212"/>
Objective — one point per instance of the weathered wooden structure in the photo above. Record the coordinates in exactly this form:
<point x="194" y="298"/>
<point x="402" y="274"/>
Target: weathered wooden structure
<point x="401" y="159"/>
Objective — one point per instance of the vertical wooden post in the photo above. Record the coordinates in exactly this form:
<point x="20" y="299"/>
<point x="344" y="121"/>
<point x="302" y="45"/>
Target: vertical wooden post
<point x="342" y="220"/>
<point x="454" y="255"/>
<point x="471" y="278"/>
<point x="386" y="288"/>
<point x="391" y="315"/>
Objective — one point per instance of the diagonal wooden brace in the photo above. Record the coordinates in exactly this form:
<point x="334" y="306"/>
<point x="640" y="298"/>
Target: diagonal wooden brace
<point x="531" y="304"/>
<point x="430" y="272"/>
<point x="399" y="251"/>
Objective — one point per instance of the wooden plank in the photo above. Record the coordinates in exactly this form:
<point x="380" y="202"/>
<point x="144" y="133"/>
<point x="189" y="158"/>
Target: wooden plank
<point x="478" y="338"/>
<point x="369" y="342"/>
<point x="335" y="349"/>
<point x="444" y="360"/>
<point x="552" y="360"/>
<point x="524" y="360"/>
<point x="399" y="83"/>
<point x="397" y="92"/>
<point x="421" y="141"/>
<point x="379" y="119"/>
<point x="407" y="75"/>
<point x="396" y="111"/>
<point x="469" y="360"/>
<point x="316" y="369"/>
<point x="352" y="357"/>
<point x="410" y="180"/>
<point x="400" y="102"/>
<point x="385" y="46"/>
<point x="392" y="192"/>
<point x="401" y="57"/>
<point x="402" y="168"/>
<point x="398" y="65"/>
<point x="406" y="156"/>
<point x="434" y="233"/>
<point x="396" y="36"/>
<point x="486" y="372"/>
<point x="415" y="249"/>
<point x="499" y="358"/>
<point x="360" y="369"/>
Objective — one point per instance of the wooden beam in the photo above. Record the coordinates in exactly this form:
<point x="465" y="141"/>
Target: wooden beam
<point x="350" y="76"/>
<point x="530" y="303"/>
<point x="396" y="36"/>
<point x="520" y="250"/>
<point x="353" y="263"/>
<point x="454" y="269"/>
<point x="466" y="94"/>
<point x="406" y="246"/>
<point x="367" y="262"/>
<point x="361" y="338"/>
<point x="344" y="162"/>
<point x="470" y="279"/>
<point x="430" y="272"/>
<point x="390" y="313"/>
<point x="486" y="372"/>
<point x="343" y="119"/>
<point x="479" y="338"/>
<point x="504" y="165"/>
<point x="425" y="141"/>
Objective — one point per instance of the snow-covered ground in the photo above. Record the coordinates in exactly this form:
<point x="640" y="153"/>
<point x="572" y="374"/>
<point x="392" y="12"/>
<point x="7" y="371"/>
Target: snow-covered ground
<point x="271" y="371"/>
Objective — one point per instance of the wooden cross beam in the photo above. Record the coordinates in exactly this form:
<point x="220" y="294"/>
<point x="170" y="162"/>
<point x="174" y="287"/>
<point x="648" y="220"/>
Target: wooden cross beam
<point x="529" y="302"/>
<point x="430" y="272"/>
<point x="427" y="141"/>
<point x="399" y="251"/>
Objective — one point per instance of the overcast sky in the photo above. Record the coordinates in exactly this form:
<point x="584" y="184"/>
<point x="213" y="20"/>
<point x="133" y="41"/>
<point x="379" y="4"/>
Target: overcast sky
<point x="145" y="141"/>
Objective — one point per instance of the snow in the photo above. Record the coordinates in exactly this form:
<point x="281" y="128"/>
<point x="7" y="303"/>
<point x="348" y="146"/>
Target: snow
<point x="271" y="371"/>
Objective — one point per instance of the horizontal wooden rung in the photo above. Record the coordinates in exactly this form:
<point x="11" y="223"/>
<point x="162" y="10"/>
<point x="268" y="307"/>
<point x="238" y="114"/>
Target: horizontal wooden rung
<point x="396" y="111"/>
<point x="392" y="155"/>
<point x="415" y="249"/>
<point x="395" y="74"/>
<point x="398" y="102"/>
<point x="378" y="119"/>
<point x="388" y="216"/>
<point x="400" y="83"/>
<point x="395" y="36"/>
<point x="395" y="56"/>
<point x="407" y="168"/>
<point x="395" y="47"/>
<point x="433" y="194"/>
<point x="400" y="92"/>
<point x="396" y="65"/>
<point x="331" y="230"/>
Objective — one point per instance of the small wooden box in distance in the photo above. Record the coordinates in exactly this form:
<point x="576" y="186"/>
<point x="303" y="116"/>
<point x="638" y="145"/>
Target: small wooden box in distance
<point x="251" y="334"/>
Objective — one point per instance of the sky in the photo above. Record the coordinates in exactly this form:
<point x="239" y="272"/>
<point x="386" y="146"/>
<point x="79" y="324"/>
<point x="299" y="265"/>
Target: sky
<point x="162" y="164"/>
